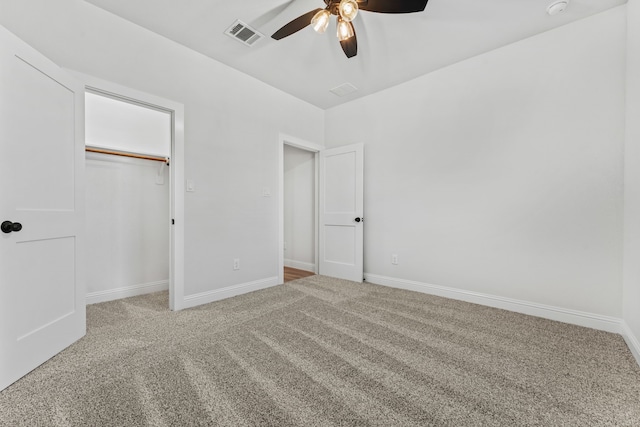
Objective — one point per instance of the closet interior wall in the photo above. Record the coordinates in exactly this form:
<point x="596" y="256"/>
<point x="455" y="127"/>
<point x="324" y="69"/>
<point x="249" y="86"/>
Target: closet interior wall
<point x="127" y="208"/>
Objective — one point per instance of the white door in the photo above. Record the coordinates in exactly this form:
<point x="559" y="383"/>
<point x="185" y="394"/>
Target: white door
<point x="341" y="212"/>
<point x="42" y="297"/>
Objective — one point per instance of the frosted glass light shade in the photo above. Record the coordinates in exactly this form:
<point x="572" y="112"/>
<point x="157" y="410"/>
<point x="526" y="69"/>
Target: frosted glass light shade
<point x="348" y="9"/>
<point x="345" y="30"/>
<point x="320" y="21"/>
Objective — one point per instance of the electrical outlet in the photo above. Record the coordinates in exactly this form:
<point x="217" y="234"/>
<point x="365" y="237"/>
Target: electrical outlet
<point x="394" y="259"/>
<point x="236" y="263"/>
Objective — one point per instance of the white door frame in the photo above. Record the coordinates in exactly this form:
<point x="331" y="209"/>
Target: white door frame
<point x="176" y="197"/>
<point x="307" y="146"/>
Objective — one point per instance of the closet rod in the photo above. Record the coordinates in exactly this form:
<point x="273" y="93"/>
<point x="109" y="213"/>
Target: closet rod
<point x="126" y="154"/>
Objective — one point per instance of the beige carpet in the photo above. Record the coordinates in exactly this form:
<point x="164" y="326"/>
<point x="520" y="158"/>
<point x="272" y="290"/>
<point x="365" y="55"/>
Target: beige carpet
<point x="325" y="352"/>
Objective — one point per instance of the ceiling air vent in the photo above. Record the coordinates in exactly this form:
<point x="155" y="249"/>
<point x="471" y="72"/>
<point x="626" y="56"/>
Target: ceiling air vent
<point x="243" y="33"/>
<point x="343" y="89"/>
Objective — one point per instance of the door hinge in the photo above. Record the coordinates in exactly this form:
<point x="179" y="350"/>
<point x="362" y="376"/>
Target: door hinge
<point x="173" y="221"/>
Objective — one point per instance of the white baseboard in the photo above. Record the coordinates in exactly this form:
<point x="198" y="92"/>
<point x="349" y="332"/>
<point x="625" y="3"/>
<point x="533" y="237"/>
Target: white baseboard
<point x="575" y="317"/>
<point x="228" y="292"/>
<point x="632" y="341"/>
<point x="126" y="291"/>
<point x="306" y="266"/>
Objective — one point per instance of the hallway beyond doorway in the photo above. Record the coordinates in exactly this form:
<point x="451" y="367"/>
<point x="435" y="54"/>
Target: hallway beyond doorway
<point x="293" y="274"/>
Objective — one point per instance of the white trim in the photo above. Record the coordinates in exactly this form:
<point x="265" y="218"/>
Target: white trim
<point x="127" y="291"/>
<point x="176" y="271"/>
<point x="306" y="266"/>
<point x="632" y="341"/>
<point x="176" y="256"/>
<point x="228" y="292"/>
<point x="575" y="317"/>
<point x="300" y="143"/>
<point x="284" y="139"/>
<point x="316" y="214"/>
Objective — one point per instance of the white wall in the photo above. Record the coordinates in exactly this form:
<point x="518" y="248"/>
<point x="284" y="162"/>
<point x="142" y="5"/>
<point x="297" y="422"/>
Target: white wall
<point x="632" y="181"/>
<point x="299" y="208"/>
<point x="127" y="217"/>
<point x="231" y="130"/>
<point x="117" y="125"/>
<point x="502" y="174"/>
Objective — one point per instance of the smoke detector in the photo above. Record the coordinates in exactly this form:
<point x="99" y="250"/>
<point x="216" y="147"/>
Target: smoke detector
<point x="557" y="7"/>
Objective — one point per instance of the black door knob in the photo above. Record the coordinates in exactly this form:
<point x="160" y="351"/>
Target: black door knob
<point x="8" y="226"/>
<point x="358" y="219"/>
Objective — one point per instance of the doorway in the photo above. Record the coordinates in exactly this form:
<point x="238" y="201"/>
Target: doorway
<point x="173" y="177"/>
<point x="298" y="221"/>
<point x="299" y="212"/>
<point x="339" y="201"/>
<point x="127" y="170"/>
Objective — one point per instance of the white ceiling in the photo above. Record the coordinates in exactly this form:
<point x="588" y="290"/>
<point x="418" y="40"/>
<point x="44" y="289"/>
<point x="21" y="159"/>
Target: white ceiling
<point x="391" y="48"/>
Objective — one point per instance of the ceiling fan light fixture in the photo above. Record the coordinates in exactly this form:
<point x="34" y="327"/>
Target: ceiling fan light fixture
<point x="348" y="9"/>
<point x="345" y="29"/>
<point x="320" y="21"/>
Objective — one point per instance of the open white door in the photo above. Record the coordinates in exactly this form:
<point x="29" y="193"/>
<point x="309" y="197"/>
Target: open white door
<point x="341" y="212"/>
<point x="42" y="295"/>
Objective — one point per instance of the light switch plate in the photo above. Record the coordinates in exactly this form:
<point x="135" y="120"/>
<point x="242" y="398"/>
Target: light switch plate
<point x="191" y="185"/>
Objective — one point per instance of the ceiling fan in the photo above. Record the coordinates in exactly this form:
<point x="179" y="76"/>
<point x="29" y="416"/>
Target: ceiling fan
<point x="346" y="11"/>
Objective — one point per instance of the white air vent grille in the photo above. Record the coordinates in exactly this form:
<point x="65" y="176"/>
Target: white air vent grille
<point x="344" y="89"/>
<point x="243" y="33"/>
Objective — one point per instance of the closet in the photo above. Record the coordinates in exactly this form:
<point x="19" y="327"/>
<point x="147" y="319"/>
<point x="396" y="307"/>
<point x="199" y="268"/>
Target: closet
<point x="128" y="148"/>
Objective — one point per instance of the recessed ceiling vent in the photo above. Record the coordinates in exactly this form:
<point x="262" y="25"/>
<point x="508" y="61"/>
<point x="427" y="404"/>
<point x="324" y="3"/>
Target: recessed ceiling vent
<point x="344" y="89"/>
<point x="243" y="33"/>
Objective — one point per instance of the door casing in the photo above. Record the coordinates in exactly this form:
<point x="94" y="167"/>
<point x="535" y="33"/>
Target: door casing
<point x="176" y="198"/>
<point x="313" y="148"/>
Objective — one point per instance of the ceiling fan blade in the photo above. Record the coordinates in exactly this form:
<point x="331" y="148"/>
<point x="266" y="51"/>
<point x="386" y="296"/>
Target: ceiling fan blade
<point x="296" y="25"/>
<point x="393" y="6"/>
<point x="350" y="45"/>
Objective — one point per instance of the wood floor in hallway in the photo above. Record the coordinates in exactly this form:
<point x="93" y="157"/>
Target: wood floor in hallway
<point x="293" y="274"/>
